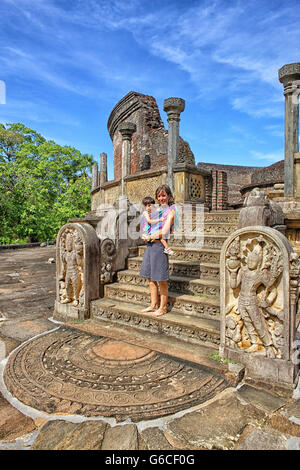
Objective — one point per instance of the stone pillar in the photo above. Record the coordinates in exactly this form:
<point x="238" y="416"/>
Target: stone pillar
<point x="289" y="76"/>
<point x="103" y="168"/>
<point x="94" y="176"/>
<point x="173" y="107"/>
<point x="126" y="129"/>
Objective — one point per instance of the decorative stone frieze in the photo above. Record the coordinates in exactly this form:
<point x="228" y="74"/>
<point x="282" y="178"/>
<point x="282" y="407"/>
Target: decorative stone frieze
<point x="191" y="333"/>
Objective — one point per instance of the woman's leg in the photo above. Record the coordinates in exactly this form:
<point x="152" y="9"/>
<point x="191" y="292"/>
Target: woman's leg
<point x="163" y="287"/>
<point x="153" y="287"/>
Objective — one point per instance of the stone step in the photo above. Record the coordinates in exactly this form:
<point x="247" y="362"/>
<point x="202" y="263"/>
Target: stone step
<point x="180" y="284"/>
<point x="204" y="255"/>
<point x="206" y="241"/>
<point x="191" y="305"/>
<point x="185" y="328"/>
<point x="165" y="344"/>
<point x="222" y="216"/>
<point x="183" y="268"/>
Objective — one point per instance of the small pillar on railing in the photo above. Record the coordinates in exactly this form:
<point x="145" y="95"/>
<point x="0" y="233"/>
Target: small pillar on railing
<point x="173" y="107"/>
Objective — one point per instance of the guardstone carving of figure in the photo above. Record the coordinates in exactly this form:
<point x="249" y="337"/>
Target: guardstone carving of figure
<point x="253" y="316"/>
<point x="71" y="276"/>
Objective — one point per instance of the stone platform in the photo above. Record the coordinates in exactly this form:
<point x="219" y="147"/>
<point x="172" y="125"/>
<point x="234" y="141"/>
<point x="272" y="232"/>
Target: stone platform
<point x="64" y="387"/>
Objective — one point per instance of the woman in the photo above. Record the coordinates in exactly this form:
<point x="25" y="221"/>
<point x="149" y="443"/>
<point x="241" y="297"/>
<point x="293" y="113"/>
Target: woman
<point x="155" y="265"/>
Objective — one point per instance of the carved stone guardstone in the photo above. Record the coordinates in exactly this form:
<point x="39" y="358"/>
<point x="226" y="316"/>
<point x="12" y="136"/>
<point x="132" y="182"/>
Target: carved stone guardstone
<point x="77" y="271"/>
<point x="258" y="312"/>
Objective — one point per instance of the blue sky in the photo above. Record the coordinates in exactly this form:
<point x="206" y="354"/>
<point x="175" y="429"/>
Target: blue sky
<point x="66" y="63"/>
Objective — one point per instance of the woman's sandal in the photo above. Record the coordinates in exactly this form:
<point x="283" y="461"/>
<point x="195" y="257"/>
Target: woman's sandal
<point x="149" y="309"/>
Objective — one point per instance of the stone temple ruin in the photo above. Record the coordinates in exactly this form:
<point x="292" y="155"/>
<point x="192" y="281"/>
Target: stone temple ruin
<point x="234" y="287"/>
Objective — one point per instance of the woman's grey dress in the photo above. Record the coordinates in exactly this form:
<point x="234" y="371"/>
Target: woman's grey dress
<point x="155" y="264"/>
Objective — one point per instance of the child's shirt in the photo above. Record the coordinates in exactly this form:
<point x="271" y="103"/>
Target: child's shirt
<point x="148" y="228"/>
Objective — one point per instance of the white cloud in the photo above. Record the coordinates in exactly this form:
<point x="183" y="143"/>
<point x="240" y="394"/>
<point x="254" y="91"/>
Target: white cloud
<point x="228" y="50"/>
<point x="271" y="157"/>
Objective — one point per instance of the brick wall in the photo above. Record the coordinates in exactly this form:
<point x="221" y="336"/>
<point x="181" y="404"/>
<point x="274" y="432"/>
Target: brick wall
<point x="219" y="190"/>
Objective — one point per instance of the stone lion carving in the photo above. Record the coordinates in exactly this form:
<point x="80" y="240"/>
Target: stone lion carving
<point x="254" y="314"/>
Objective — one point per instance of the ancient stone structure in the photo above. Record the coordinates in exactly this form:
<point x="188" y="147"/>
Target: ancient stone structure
<point x="242" y="179"/>
<point x="236" y="291"/>
<point x="257" y="317"/>
<point x="142" y="148"/>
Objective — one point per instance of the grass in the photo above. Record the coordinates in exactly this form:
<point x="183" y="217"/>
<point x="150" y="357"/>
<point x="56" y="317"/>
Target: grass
<point x="216" y="357"/>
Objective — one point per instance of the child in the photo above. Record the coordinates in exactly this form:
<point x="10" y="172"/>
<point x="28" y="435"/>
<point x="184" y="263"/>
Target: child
<point x="148" y="203"/>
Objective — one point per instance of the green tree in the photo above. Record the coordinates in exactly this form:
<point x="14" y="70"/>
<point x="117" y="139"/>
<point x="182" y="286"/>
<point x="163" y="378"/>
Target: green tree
<point x="42" y="184"/>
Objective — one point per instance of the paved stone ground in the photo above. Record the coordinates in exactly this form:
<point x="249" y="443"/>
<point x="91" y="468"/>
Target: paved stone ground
<point x="241" y="417"/>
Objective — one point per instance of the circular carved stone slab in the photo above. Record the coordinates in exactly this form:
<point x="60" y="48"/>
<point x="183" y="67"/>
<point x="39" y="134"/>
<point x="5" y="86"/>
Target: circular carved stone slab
<point x="70" y="372"/>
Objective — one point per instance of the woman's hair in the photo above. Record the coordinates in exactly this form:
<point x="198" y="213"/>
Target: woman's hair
<point x="166" y="188"/>
<point x="148" y="200"/>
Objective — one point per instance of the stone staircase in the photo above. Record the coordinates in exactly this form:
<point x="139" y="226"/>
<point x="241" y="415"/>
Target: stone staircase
<point x="193" y="318"/>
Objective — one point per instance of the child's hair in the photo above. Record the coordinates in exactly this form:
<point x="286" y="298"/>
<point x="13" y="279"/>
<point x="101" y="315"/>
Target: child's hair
<point x="148" y="200"/>
<point x="166" y="188"/>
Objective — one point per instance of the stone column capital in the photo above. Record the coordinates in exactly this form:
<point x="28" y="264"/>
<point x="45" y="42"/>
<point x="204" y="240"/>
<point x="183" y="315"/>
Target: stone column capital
<point x="173" y="107"/>
<point x="127" y="129"/>
<point x="288" y="75"/>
